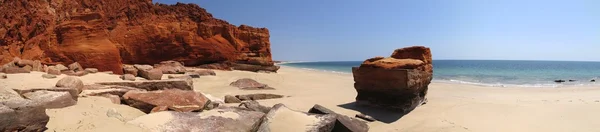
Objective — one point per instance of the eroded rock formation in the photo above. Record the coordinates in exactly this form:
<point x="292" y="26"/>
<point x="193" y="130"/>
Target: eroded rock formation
<point x="104" y="34"/>
<point x="399" y="82"/>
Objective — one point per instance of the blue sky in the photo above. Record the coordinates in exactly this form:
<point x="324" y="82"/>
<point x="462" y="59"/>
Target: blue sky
<point x="347" y="30"/>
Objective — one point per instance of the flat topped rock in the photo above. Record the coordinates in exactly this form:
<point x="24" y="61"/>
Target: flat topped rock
<point x="283" y="119"/>
<point x="152" y="85"/>
<point x="222" y="119"/>
<point x="343" y="123"/>
<point x="258" y="96"/>
<point x="392" y="63"/>
<point x="51" y="99"/>
<point x="173" y="99"/>
<point x="249" y="84"/>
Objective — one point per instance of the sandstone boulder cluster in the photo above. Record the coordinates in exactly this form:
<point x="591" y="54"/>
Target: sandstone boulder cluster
<point x="18" y="65"/>
<point x="157" y="71"/>
<point x="398" y="82"/>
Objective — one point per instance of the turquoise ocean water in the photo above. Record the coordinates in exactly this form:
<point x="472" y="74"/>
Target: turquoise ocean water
<point x="497" y="73"/>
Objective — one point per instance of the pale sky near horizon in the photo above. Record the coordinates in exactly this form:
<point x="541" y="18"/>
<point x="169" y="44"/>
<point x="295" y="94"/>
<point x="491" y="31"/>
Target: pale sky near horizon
<point x="354" y="30"/>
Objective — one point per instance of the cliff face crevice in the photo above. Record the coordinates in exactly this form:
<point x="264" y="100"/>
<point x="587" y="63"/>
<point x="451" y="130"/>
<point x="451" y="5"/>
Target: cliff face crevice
<point x="107" y="33"/>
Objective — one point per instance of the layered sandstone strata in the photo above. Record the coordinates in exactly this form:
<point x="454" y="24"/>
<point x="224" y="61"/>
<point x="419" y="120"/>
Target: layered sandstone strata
<point x="399" y="82"/>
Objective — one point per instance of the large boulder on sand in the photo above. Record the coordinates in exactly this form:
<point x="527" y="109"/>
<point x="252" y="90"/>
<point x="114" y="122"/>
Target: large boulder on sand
<point x="173" y="99"/>
<point x="282" y="119"/>
<point x="399" y="83"/>
<point x="170" y="67"/>
<point x="75" y="67"/>
<point x="130" y="69"/>
<point x="70" y="82"/>
<point x="223" y="119"/>
<point x="51" y="99"/>
<point x="153" y="74"/>
<point x="152" y="85"/>
<point x="19" y="114"/>
<point x="249" y="84"/>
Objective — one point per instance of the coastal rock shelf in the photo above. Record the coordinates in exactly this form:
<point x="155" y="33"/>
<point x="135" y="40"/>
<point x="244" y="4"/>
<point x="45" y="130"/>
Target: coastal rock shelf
<point x="399" y="82"/>
<point x="104" y="34"/>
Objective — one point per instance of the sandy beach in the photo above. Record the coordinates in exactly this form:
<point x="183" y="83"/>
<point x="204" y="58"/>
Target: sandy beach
<point x="450" y="107"/>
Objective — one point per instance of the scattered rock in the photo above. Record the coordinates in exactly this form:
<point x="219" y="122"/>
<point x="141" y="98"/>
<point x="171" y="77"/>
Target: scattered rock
<point x="128" y="77"/>
<point x="572" y="80"/>
<point x="281" y="119"/>
<point x="232" y="99"/>
<point x="24" y="62"/>
<point x="37" y="66"/>
<point x="154" y="74"/>
<point x="61" y="67"/>
<point x="254" y="68"/>
<point x="15" y="70"/>
<point x="174" y="99"/>
<point x="70" y="82"/>
<point x="28" y="68"/>
<point x="152" y="85"/>
<point x="53" y="70"/>
<point x="259" y="96"/>
<point x="559" y="81"/>
<point x="249" y="84"/>
<point x="216" y="66"/>
<point x="51" y="99"/>
<point x="223" y="119"/>
<point x="185" y="77"/>
<point x="143" y="67"/>
<point x="170" y="67"/>
<point x="398" y="83"/>
<point x="49" y="76"/>
<point x="77" y="73"/>
<point x="91" y="70"/>
<point x="343" y="123"/>
<point x="130" y="69"/>
<point x="72" y="91"/>
<point x="99" y="90"/>
<point x="202" y="73"/>
<point x="365" y="117"/>
<point x="19" y="114"/>
<point x="592" y="80"/>
<point x="3" y="76"/>
<point x="75" y="67"/>
<point x="255" y="106"/>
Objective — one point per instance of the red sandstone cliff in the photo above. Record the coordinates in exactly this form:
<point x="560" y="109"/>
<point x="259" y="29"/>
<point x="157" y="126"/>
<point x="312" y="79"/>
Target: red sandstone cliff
<point x="106" y="33"/>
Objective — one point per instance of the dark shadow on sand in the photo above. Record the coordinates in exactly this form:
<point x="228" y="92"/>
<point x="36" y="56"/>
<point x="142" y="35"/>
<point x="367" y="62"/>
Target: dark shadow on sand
<point x="383" y="115"/>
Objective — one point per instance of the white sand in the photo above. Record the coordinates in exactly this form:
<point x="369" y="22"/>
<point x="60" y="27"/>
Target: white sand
<point x="451" y="107"/>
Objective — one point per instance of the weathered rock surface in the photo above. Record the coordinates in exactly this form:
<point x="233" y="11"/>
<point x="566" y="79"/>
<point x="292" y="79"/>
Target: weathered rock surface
<point x="19" y="114"/>
<point x="77" y="73"/>
<point x="170" y="67"/>
<point x="217" y="66"/>
<point x="259" y="96"/>
<point x="232" y="99"/>
<point x="101" y="90"/>
<point x="255" y="106"/>
<point x="130" y="69"/>
<point x="3" y="76"/>
<point x="281" y="118"/>
<point x="153" y="85"/>
<point x="254" y="68"/>
<point x="48" y="76"/>
<point x="72" y="91"/>
<point x="53" y="70"/>
<point x="61" y="67"/>
<point x="91" y="70"/>
<point x="399" y="83"/>
<point x="128" y="77"/>
<point x="70" y="82"/>
<point x="223" y="119"/>
<point x="343" y="123"/>
<point x="173" y="99"/>
<point x="105" y="34"/>
<point x="51" y="99"/>
<point x="249" y="84"/>
<point x="15" y="70"/>
<point x="154" y="74"/>
<point x="75" y="67"/>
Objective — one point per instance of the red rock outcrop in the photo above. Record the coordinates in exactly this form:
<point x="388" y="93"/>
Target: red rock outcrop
<point x="104" y="34"/>
<point x="399" y="82"/>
